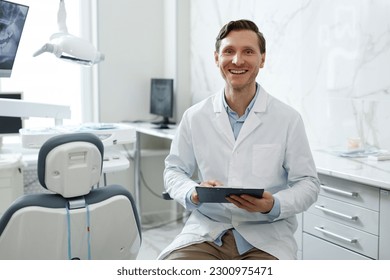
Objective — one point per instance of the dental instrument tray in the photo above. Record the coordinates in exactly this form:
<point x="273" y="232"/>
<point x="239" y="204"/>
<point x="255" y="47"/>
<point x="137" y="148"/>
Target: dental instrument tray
<point x="110" y="133"/>
<point x="219" y="194"/>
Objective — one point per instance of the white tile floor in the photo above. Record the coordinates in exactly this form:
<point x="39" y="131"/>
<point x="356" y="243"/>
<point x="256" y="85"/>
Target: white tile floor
<point x="156" y="237"/>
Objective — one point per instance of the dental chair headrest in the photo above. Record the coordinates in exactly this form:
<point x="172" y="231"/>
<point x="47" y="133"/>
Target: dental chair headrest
<point x="71" y="164"/>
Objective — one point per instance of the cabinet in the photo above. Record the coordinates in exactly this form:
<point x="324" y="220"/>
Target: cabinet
<point x="384" y="225"/>
<point x="344" y="222"/>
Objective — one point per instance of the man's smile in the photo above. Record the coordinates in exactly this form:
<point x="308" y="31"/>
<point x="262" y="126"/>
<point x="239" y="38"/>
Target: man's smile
<point x="237" y="72"/>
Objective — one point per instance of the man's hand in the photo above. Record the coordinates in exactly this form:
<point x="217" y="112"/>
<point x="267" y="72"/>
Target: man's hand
<point x="209" y="184"/>
<point x="253" y="204"/>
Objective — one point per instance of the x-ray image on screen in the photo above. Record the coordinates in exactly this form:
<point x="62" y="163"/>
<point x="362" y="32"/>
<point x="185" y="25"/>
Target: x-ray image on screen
<point x="161" y="100"/>
<point x="12" y="19"/>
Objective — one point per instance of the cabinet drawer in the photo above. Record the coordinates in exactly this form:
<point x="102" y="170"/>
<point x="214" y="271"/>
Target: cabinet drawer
<point x="384" y="232"/>
<point x="351" y="192"/>
<point x="318" y="249"/>
<point x="347" y="214"/>
<point x="345" y="236"/>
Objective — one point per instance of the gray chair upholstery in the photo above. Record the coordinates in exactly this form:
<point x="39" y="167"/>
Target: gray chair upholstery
<point x="76" y="220"/>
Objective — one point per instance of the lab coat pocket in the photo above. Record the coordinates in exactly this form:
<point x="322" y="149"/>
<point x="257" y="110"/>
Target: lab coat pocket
<point x="266" y="160"/>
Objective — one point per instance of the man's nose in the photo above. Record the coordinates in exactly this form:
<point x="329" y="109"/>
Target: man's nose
<point x="237" y="59"/>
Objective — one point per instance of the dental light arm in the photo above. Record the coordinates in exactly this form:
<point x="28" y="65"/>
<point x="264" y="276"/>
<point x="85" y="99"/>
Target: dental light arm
<point x="69" y="47"/>
<point x="61" y="18"/>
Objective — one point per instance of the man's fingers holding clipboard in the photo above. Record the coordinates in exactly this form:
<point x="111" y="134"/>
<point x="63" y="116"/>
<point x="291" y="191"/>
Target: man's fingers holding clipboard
<point x="253" y="204"/>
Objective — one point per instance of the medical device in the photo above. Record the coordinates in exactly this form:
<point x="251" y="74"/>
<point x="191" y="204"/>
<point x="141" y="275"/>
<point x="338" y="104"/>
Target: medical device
<point x="161" y="100"/>
<point x="69" y="47"/>
<point x="109" y="133"/>
<point x="12" y="19"/>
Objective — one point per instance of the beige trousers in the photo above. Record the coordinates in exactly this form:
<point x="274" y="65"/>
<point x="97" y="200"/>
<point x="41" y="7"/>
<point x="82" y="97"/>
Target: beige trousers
<point x="211" y="251"/>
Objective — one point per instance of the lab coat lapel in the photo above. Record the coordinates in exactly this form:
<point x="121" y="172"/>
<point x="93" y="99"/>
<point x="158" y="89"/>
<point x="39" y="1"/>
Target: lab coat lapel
<point x="221" y="120"/>
<point x="254" y="118"/>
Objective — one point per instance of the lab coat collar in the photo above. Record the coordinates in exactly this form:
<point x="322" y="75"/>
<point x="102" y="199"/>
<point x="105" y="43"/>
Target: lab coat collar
<point x="259" y="106"/>
<point x="261" y="103"/>
<point x="252" y="122"/>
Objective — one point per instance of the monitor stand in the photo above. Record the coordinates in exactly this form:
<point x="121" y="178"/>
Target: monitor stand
<point x="163" y="124"/>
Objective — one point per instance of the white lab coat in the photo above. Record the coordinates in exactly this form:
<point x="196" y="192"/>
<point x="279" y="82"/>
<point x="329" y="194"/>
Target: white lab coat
<point x="271" y="152"/>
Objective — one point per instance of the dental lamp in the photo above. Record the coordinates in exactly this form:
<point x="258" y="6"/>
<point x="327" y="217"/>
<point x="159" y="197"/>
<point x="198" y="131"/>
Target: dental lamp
<point x="69" y="47"/>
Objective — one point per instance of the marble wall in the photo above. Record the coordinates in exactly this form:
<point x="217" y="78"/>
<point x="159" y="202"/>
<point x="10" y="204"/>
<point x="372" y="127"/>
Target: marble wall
<point x="328" y="59"/>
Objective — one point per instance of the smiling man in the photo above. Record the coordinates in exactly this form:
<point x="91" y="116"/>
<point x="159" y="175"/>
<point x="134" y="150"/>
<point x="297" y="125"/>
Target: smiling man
<point x="240" y="137"/>
<point x="239" y="55"/>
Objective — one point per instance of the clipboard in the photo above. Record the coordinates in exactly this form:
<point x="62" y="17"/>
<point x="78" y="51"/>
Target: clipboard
<point x="219" y="194"/>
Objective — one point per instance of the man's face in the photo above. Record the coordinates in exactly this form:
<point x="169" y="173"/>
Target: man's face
<point x="239" y="58"/>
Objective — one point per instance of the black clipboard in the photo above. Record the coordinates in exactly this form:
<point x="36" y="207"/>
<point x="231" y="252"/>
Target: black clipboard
<point x="219" y="194"/>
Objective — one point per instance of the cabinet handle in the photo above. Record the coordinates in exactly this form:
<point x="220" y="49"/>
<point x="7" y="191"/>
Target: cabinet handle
<point x="321" y="229"/>
<point x="324" y="209"/>
<point x="337" y="191"/>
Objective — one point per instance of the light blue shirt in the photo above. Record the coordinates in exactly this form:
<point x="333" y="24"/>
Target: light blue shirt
<point x="236" y="123"/>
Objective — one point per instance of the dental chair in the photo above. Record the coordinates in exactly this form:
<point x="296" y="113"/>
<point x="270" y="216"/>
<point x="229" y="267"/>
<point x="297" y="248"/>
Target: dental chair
<point x="78" y="220"/>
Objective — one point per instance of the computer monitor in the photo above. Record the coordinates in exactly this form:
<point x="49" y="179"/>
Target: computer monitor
<point x="10" y="125"/>
<point x="12" y="19"/>
<point x="161" y="101"/>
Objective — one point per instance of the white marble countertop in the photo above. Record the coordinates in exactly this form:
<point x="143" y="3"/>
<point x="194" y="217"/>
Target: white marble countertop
<point x="362" y="170"/>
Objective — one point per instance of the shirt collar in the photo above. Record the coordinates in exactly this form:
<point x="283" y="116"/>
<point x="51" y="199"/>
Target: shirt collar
<point x="247" y="110"/>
